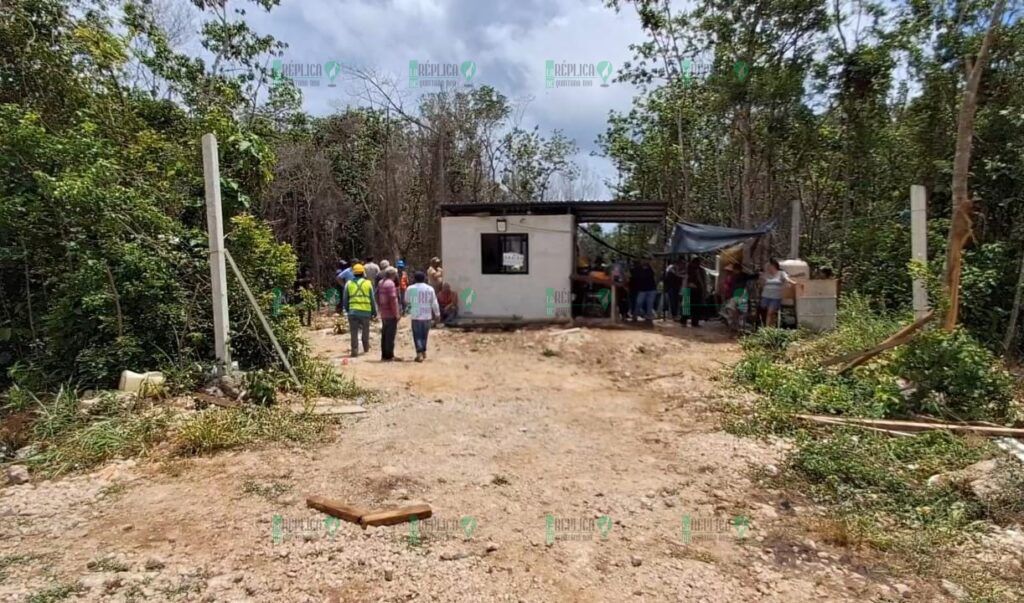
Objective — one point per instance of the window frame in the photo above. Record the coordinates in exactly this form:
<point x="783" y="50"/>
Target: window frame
<point x="525" y="237"/>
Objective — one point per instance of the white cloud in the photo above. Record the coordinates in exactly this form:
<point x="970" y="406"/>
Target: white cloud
<point x="509" y="41"/>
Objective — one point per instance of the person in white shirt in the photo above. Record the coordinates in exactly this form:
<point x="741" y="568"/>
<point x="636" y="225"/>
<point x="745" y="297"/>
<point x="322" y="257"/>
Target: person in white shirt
<point x="421" y="301"/>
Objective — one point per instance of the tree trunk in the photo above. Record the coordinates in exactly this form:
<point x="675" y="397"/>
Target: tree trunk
<point x="747" y="178"/>
<point x="963" y="205"/>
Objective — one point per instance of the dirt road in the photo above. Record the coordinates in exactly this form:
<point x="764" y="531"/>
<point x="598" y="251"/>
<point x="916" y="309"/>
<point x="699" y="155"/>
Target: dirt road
<point x="579" y="466"/>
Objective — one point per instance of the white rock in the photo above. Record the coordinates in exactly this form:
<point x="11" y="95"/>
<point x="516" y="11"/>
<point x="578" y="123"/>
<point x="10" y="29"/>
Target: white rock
<point x="954" y="590"/>
<point x="17" y="474"/>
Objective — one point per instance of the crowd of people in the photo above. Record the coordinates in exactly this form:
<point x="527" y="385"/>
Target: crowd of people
<point x="368" y="291"/>
<point x="684" y="291"/>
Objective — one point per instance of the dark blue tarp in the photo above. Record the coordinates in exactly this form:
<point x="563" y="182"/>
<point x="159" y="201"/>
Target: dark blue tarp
<point x="704" y="238"/>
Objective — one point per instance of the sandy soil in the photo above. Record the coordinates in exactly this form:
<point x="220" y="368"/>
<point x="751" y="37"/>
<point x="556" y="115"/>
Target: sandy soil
<point x="497" y="432"/>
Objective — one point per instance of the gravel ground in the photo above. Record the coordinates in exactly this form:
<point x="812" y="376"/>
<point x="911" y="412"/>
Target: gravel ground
<point x="559" y="466"/>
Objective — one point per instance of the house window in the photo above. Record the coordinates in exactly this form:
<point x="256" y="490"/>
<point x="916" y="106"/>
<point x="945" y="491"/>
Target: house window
<point x="504" y="253"/>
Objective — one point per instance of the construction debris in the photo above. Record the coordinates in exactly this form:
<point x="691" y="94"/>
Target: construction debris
<point x="1012" y="446"/>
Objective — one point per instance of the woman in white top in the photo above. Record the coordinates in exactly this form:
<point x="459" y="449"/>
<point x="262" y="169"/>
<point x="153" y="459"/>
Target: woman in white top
<point x="775" y="281"/>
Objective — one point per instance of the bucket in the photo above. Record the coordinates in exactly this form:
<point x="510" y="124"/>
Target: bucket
<point x="143" y="383"/>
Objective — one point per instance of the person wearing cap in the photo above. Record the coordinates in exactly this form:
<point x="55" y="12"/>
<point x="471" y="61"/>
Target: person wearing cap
<point x="421" y="301"/>
<point x="340" y="275"/>
<point x="388" y="308"/>
<point x="384" y="265"/>
<point x="360" y="306"/>
<point x="435" y="274"/>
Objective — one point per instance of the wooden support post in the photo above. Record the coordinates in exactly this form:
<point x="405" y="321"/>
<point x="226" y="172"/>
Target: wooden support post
<point x="218" y="270"/>
<point x="263" y="320"/>
<point x="615" y="302"/>
<point x="919" y="244"/>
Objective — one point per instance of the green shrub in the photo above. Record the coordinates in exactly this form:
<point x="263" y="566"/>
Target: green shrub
<point x="261" y="386"/>
<point x="771" y="340"/>
<point x="955" y="377"/>
<point x="860" y="472"/>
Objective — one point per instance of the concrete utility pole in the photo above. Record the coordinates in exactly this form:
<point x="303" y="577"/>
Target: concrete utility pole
<point x="919" y="244"/>
<point x="794" y="232"/>
<point x="218" y="269"/>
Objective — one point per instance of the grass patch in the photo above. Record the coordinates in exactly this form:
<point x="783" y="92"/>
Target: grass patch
<point x="107" y="564"/>
<point x="56" y="592"/>
<point x="223" y="428"/>
<point x="8" y="561"/>
<point x="73" y="438"/>
<point x="874" y="487"/>
<point x="70" y="436"/>
<point x="270" y="490"/>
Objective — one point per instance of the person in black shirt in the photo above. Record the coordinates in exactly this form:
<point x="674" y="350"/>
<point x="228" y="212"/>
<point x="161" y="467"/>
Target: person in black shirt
<point x="673" y="281"/>
<point x="646" y="291"/>
<point x="697" y="284"/>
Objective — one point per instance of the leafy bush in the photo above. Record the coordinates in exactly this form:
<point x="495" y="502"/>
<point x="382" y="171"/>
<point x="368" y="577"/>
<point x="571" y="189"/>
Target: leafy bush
<point x="955" y="376"/>
<point x="261" y="386"/>
<point x="771" y="340"/>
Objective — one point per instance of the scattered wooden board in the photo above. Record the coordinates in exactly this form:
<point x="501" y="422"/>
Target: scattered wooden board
<point x="347" y="409"/>
<point x="336" y="509"/>
<point x="915" y="426"/>
<point x="390" y="517"/>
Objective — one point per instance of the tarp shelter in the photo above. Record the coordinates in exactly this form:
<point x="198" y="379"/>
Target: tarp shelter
<point x="704" y="238"/>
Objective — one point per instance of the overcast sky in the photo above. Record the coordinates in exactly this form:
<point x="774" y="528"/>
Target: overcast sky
<point x="509" y="42"/>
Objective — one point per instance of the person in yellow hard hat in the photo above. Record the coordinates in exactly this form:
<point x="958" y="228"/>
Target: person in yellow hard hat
<point x="360" y="306"/>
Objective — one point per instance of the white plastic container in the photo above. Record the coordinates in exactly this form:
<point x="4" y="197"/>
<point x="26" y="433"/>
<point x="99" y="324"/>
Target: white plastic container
<point x="142" y="383"/>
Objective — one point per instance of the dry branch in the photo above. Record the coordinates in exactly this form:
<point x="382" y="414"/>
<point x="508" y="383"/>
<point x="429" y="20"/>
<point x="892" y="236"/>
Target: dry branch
<point x="899" y="338"/>
<point x="916" y="426"/>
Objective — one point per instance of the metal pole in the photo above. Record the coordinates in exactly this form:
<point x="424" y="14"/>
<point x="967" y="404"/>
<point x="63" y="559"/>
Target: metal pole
<point x="218" y="271"/>
<point x="919" y="244"/>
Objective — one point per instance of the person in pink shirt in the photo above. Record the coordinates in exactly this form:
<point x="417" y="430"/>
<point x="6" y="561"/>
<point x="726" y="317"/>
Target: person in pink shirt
<point x="389" y="310"/>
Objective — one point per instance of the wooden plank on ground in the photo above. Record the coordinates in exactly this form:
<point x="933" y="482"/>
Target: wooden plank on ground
<point x="336" y="509"/>
<point x="390" y="517"/>
<point x="342" y="409"/>
<point x="914" y="426"/>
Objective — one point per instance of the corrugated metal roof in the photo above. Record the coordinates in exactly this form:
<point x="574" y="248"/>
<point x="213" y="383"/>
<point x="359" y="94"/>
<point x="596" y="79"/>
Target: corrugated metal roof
<point x="635" y="212"/>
